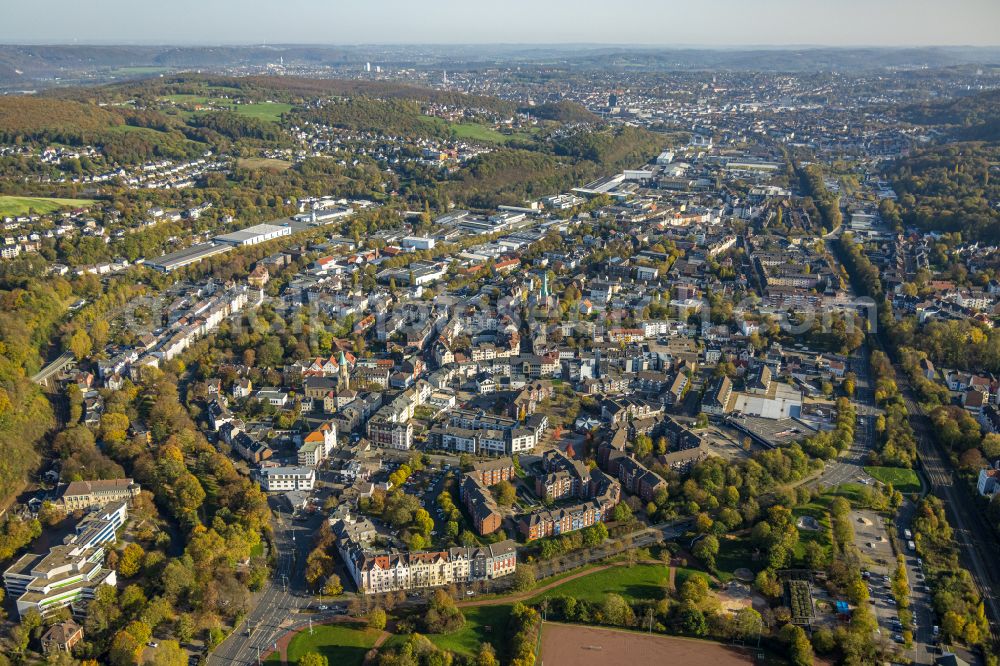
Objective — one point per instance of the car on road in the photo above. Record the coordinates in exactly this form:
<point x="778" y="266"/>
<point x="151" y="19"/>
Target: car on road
<point x="323" y="607"/>
<point x="153" y="644"/>
<point x="897" y="637"/>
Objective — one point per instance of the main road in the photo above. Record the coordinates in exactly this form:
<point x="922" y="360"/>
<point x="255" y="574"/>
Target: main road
<point x="276" y="606"/>
<point x="976" y="542"/>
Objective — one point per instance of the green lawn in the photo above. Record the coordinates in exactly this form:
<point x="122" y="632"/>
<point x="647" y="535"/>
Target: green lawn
<point x="734" y="554"/>
<point x="189" y="99"/>
<point x="341" y="645"/>
<point x="850" y="491"/>
<point x="642" y="581"/>
<point x="479" y="132"/>
<point x="902" y="479"/>
<point x="483" y="624"/>
<point x="10" y="205"/>
<point x="683" y="573"/>
<point x="263" y="110"/>
<point x="816" y="509"/>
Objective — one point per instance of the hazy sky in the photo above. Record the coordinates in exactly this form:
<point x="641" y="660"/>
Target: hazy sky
<point x="653" y="22"/>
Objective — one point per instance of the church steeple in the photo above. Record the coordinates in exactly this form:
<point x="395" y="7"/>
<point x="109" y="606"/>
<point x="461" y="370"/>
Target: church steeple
<point x="344" y="375"/>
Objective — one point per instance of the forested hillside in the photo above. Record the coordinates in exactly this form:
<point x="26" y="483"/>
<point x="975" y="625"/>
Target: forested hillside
<point x="971" y="118"/>
<point x="25" y="118"/>
<point x="401" y="117"/>
<point x="951" y="188"/>
<point x="29" y="315"/>
<point x="563" y="111"/>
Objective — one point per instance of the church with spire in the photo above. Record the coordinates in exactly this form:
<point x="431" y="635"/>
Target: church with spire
<point x="542" y="297"/>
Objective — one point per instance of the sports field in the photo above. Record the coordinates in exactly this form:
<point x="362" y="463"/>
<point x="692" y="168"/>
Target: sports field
<point x="575" y="645"/>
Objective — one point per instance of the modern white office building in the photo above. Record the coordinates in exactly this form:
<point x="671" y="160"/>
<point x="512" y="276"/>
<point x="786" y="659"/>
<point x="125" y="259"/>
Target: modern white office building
<point x="69" y="573"/>
<point x="283" y="479"/>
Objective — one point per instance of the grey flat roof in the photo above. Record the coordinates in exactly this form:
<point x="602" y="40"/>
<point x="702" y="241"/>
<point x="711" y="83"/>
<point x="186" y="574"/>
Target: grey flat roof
<point x="250" y="232"/>
<point x="188" y="255"/>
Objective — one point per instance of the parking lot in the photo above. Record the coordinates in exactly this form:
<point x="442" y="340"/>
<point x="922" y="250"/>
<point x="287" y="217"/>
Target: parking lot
<point x="872" y="539"/>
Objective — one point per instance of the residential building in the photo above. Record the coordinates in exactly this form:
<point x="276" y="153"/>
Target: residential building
<point x="989" y="481"/>
<point x="376" y="573"/>
<point x="61" y="637"/>
<point x="80" y="495"/>
<point x="283" y="479"/>
<point x="390" y="435"/>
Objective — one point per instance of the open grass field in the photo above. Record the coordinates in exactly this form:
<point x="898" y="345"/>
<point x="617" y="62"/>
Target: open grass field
<point x="270" y="111"/>
<point x="642" y="581"/>
<point x="576" y="645"/>
<point x="262" y="163"/>
<point x="264" y="110"/>
<point x="41" y="205"/>
<point x="341" y="645"/>
<point x="683" y="573"/>
<point x="852" y="492"/>
<point x="815" y="509"/>
<point x="478" y="132"/>
<point x="483" y="624"/>
<point x="735" y="554"/>
<point x="138" y="71"/>
<point x="902" y="479"/>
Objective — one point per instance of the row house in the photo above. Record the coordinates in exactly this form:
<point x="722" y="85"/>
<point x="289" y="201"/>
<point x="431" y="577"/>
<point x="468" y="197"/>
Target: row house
<point x="376" y="573"/>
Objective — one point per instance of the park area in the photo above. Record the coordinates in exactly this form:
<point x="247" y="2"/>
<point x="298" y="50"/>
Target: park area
<point x="340" y="644"/>
<point x="591" y="646"/>
<point x="642" y="581"/>
<point x="483" y="624"/>
<point x="902" y="479"/>
<point x="13" y="206"/>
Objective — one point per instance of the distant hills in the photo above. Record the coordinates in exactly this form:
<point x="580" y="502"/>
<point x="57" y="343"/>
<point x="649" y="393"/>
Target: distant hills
<point x="36" y="66"/>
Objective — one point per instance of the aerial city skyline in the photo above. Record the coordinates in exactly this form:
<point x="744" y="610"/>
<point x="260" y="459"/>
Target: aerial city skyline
<point x="462" y="334"/>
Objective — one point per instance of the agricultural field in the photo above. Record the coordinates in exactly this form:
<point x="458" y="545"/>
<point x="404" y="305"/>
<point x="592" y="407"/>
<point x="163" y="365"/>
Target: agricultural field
<point x="270" y="111"/>
<point x="341" y="645"/>
<point x="592" y="646"/>
<point x="902" y="479"/>
<point x="12" y="206"/>
<point x="139" y="71"/>
<point x="263" y="163"/>
<point x="263" y="110"/>
<point x="642" y="581"/>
